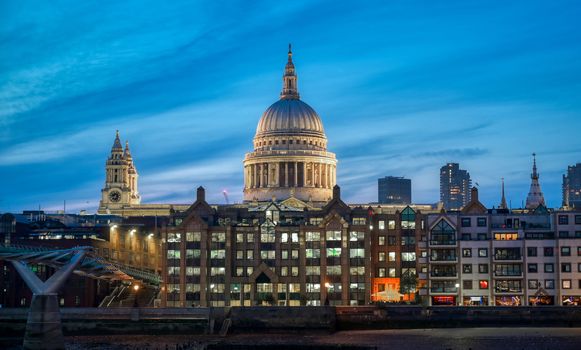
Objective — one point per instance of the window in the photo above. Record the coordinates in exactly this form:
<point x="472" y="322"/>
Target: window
<point x="481" y="222"/>
<point x="333" y="252"/>
<point x="250" y="237"/>
<point x="239" y="238"/>
<point x="466" y="237"/>
<point x="483" y="284"/>
<point x="218" y="237"/>
<point x="334" y="270"/>
<point x="391" y="256"/>
<point x="284" y="254"/>
<point x="381" y="240"/>
<point x="563" y="234"/>
<point x="215" y="271"/>
<point x="482" y="236"/>
<point x="359" y="253"/>
<point x="466" y="222"/>
<point x="294" y="254"/>
<point x="355" y="236"/>
<point x="467" y="284"/>
<point x="533" y="268"/>
<point x="482" y="268"/>
<point x="578" y="251"/>
<point x="333" y="235"/>
<point x="548" y="251"/>
<point x="250" y="254"/>
<point x="217" y="254"/>
<point x="482" y="252"/>
<point x="531" y="251"/>
<point x="381" y="224"/>
<point x="467" y="252"/>
<point x="566" y="284"/>
<point x="294" y="271"/>
<point x="577" y="219"/>
<point x="313" y="271"/>
<point x="381" y="256"/>
<point x="284" y="271"/>
<point x="563" y="220"/>
<point x="391" y="224"/>
<point x="533" y="284"/>
<point x="467" y="268"/>
<point x="391" y="272"/>
<point x="173" y="254"/>
<point x="381" y="272"/>
<point x="239" y="254"/>
<point x="313" y="236"/>
<point x="549" y="284"/>
<point x="550" y="268"/>
<point x="284" y="237"/>
<point x="358" y="221"/>
<point x="269" y="254"/>
<point x="391" y="240"/>
<point x="565" y="267"/>
<point x="313" y="253"/>
<point x="408" y="256"/>
<point x="565" y="251"/>
<point x="193" y="236"/>
<point x="357" y="271"/>
<point x="507" y="254"/>
<point x="295" y="237"/>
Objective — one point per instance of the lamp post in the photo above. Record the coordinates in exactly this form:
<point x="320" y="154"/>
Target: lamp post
<point x="136" y="289"/>
<point x="327" y="286"/>
<point x="457" y="285"/>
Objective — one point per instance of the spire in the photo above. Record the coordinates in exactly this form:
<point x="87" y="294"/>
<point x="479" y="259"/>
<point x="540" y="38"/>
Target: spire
<point x="289" y="80"/>
<point x="127" y="152"/>
<point x="534" y="175"/>
<point x="503" y="199"/>
<point x="117" y="144"/>
<point x="535" y="196"/>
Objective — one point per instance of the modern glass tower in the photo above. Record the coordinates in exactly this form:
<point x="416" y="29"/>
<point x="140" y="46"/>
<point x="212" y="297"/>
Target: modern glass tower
<point x="455" y="186"/>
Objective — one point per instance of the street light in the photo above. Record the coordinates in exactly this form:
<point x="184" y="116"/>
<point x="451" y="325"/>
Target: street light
<point x="136" y="289"/>
<point x="457" y="285"/>
<point x="327" y="285"/>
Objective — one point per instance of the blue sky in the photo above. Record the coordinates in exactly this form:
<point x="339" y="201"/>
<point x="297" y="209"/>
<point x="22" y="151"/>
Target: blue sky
<point x="402" y="87"/>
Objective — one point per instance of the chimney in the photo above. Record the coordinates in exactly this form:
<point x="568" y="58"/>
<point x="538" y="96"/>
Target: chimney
<point x="474" y="194"/>
<point x="336" y="192"/>
<point x="200" y="194"/>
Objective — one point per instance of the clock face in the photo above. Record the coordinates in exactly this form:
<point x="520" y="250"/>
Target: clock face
<point x="114" y="196"/>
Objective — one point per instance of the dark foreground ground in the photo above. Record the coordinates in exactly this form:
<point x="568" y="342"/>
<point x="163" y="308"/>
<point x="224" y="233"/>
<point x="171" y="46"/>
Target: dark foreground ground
<point x="411" y="339"/>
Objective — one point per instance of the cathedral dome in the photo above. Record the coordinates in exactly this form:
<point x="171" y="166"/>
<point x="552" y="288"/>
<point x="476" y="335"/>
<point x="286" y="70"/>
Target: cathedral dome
<point x="289" y="116"/>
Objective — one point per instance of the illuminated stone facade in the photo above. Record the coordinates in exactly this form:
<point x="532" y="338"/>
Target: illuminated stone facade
<point x="290" y="157"/>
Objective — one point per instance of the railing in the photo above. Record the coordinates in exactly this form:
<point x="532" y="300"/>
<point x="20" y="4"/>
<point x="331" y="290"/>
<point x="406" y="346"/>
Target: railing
<point x="444" y="274"/>
<point x="443" y="242"/>
<point x="444" y="258"/>
<point x="443" y="290"/>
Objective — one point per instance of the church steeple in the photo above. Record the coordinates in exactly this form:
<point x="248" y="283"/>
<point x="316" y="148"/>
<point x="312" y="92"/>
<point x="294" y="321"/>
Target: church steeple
<point x="117" y="144"/>
<point x="289" y="80"/>
<point x="535" y="196"/>
<point x="503" y="198"/>
<point x="127" y="152"/>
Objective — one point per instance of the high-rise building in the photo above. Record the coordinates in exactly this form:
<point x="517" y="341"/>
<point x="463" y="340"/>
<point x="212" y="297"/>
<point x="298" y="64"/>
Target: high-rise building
<point x="572" y="187"/>
<point x="394" y="190"/>
<point x="455" y="186"/>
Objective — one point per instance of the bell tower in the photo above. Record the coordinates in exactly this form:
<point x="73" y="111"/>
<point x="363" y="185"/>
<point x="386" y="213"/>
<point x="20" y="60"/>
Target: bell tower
<point x="120" y="180"/>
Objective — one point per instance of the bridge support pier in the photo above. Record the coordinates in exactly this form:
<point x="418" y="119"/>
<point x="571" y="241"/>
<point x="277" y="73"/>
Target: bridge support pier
<point x="43" y="326"/>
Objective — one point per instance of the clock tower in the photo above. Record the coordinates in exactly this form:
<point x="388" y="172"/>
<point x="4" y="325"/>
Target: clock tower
<point x="120" y="189"/>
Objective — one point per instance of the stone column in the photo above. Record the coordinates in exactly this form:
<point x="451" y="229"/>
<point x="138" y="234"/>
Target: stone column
<point x="312" y="174"/>
<point x="285" y="174"/>
<point x="255" y="167"/>
<point x="296" y="176"/>
<point x="304" y="174"/>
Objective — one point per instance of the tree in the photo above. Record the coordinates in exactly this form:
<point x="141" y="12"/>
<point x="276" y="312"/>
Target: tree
<point x="408" y="283"/>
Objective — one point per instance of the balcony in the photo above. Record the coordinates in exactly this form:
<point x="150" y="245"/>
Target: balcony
<point x="508" y="290"/>
<point x="444" y="259"/>
<point x="444" y="274"/>
<point x="502" y="257"/>
<point x="443" y="290"/>
<point x="508" y="275"/>
<point x="439" y="243"/>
